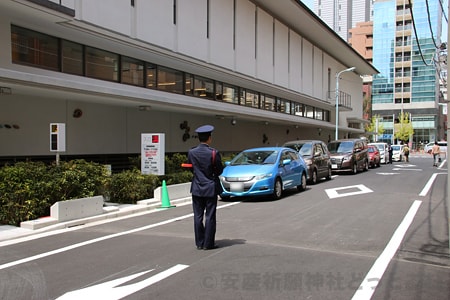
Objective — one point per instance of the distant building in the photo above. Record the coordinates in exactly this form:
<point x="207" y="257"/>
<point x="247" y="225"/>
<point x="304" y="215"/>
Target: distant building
<point x="341" y="15"/>
<point x="405" y="56"/>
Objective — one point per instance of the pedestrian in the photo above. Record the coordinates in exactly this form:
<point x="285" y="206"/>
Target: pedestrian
<point x="390" y="151"/>
<point x="206" y="167"/>
<point x="436" y="151"/>
<point x="406" y="153"/>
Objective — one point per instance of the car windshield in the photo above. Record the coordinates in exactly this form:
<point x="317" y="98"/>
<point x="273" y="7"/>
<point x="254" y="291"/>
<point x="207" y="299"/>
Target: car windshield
<point x="396" y="148"/>
<point x="380" y="147"/>
<point x="304" y="149"/>
<point x="255" y="158"/>
<point x="370" y="149"/>
<point x="340" y="147"/>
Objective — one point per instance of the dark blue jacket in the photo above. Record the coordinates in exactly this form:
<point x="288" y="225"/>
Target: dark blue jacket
<point x="206" y="175"/>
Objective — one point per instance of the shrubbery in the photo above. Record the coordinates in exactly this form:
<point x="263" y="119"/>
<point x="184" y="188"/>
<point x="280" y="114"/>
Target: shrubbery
<point x="29" y="189"/>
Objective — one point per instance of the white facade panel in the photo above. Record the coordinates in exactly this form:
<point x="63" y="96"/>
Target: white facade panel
<point x="221" y="34"/>
<point x="264" y="46"/>
<point x="155" y="23"/>
<point x="307" y="67"/>
<point x="192" y="28"/>
<point x="281" y="55"/>
<point x="318" y="70"/>
<point x="295" y="61"/>
<point x="115" y="16"/>
<point x="245" y="38"/>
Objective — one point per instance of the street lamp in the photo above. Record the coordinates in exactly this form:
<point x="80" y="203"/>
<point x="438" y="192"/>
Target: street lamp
<point x="337" y="98"/>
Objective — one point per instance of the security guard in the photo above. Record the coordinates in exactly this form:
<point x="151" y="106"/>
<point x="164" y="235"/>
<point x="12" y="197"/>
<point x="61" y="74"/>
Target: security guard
<point x="206" y="166"/>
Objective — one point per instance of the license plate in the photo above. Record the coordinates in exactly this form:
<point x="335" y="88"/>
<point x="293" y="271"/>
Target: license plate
<point x="334" y="166"/>
<point x="236" y="187"/>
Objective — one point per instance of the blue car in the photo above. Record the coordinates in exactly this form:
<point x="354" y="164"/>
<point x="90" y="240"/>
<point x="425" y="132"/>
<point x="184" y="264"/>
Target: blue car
<point x="263" y="171"/>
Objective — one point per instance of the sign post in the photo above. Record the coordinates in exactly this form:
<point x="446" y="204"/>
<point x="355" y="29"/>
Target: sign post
<point x="57" y="139"/>
<point x="152" y="153"/>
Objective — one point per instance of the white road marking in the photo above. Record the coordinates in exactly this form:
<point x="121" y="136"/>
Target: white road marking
<point x="112" y="291"/>
<point x="370" y="282"/>
<point x="388" y="173"/>
<point x="334" y="193"/>
<point x="107" y="237"/>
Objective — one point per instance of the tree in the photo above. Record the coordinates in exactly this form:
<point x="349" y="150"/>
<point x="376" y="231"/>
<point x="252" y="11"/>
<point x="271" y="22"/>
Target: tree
<point x="403" y="129"/>
<point x="374" y="127"/>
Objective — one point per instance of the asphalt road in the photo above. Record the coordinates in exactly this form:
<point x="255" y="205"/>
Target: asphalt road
<point x="381" y="234"/>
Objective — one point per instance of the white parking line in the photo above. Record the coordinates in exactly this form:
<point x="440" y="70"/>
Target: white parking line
<point x="370" y="282"/>
<point x="103" y="238"/>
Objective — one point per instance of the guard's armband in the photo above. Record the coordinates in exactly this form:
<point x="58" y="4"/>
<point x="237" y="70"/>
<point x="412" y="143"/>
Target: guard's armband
<point x="186" y="165"/>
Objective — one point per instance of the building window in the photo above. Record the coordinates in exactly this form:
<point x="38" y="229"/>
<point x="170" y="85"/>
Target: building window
<point x="150" y="76"/>
<point x="170" y="80"/>
<point x="203" y="87"/>
<point x="35" y="49"/>
<point x="309" y="112"/>
<point x="230" y="94"/>
<point x="132" y="71"/>
<point x="72" y="58"/>
<point x="299" y="109"/>
<point x="268" y="102"/>
<point x="283" y="106"/>
<point x="101" y="64"/>
<point x="249" y="98"/>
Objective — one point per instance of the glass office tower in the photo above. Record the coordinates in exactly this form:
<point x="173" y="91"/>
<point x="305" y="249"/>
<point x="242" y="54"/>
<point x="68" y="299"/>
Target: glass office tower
<point x="406" y="41"/>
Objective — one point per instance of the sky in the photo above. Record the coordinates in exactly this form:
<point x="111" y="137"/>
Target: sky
<point x="310" y="4"/>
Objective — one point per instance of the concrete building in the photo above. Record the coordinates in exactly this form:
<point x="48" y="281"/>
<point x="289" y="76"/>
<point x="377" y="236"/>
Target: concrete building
<point x="342" y="15"/>
<point x="262" y="72"/>
<point x="406" y="42"/>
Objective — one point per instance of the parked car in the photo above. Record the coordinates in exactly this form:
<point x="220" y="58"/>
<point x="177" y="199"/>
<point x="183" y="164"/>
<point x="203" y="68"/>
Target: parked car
<point x="349" y="155"/>
<point x="263" y="171"/>
<point x="397" y="152"/>
<point x="316" y="156"/>
<point x="374" y="156"/>
<point x="383" y="149"/>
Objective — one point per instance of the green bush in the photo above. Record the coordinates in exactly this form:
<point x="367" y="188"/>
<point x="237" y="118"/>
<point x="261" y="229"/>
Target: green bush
<point x="29" y="189"/>
<point x="77" y="179"/>
<point x="24" y="192"/>
<point x="130" y="186"/>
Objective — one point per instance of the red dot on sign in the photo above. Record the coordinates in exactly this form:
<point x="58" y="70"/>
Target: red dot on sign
<point x="155" y="139"/>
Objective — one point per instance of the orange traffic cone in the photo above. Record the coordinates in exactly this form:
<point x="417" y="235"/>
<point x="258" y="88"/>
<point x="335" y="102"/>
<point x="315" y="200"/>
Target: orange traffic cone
<point x="165" y="201"/>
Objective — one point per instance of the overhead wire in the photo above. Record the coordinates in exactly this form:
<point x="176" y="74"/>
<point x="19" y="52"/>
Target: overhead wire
<point x="415" y="33"/>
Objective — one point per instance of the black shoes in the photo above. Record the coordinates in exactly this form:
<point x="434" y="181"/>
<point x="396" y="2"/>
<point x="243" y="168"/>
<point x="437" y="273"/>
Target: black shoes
<point x="207" y="248"/>
<point x="211" y="248"/>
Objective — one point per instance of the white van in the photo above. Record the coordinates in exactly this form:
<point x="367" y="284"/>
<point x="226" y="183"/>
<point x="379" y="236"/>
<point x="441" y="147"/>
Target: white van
<point x="383" y="149"/>
<point x="442" y="146"/>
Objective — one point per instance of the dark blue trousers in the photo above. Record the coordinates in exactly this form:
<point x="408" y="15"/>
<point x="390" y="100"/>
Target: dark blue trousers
<point x="204" y="234"/>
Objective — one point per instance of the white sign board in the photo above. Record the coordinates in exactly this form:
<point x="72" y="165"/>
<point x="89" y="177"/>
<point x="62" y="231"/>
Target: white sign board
<point x="152" y="153"/>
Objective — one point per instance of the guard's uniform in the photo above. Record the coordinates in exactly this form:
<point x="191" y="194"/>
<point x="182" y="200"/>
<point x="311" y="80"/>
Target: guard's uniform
<point x="203" y="189"/>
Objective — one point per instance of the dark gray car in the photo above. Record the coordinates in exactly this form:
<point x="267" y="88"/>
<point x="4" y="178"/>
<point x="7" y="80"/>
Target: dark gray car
<point x="316" y="156"/>
<point x="349" y="155"/>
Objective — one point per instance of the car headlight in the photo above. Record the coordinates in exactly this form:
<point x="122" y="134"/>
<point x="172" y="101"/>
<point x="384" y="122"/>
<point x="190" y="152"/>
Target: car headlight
<point x="347" y="158"/>
<point x="308" y="163"/>
<point x="263" y="176"/>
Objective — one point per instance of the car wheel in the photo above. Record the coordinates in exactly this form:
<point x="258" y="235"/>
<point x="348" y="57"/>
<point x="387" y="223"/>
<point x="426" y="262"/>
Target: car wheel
<point x="355" y="168"/>
<point x="330" y="172"/>
<point x="302" y="185"/>
<point x="366" y="166"/>
<point x="277" y="189"/>
<point x="314" y="177"/>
